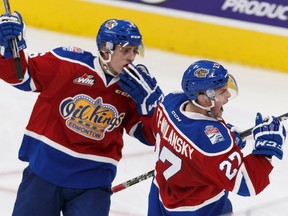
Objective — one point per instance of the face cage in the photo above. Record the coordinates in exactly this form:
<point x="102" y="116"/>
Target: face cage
<point x="232" y="87"/>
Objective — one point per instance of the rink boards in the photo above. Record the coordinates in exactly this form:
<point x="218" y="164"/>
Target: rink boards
<point x="173" y="30"/>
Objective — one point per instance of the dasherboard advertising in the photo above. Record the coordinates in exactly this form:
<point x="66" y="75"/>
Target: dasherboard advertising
<point x="268" y="12"/>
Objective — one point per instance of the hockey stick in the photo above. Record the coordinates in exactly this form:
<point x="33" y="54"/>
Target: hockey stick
<point x="15" y="50"/>
<point x="149" y="174"/>
<point x="248" y="132"/>
<point x="133" y="181"/>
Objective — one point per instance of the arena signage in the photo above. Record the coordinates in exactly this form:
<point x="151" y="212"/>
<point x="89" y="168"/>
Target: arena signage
<point x="268" y="12"/>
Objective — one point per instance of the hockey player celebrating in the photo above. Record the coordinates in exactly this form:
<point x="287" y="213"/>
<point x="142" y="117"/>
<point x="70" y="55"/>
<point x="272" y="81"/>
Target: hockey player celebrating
<point x="199" y="157"/>
<point x="73" y="140"/>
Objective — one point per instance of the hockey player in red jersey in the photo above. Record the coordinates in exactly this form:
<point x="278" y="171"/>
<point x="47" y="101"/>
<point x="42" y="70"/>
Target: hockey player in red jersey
<point x="73" y="140"/>
<point x="199" y="157"/>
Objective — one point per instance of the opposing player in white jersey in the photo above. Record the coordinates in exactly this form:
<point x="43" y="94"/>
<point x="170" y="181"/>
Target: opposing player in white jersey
<point x="73" y="140"/>
<point x="199" y="157"/>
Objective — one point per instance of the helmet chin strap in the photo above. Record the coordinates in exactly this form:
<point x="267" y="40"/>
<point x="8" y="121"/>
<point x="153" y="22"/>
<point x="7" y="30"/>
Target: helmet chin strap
<point x="208" y="108"/>
<point x="211" y="95"/>
<point x="105" y="63"/>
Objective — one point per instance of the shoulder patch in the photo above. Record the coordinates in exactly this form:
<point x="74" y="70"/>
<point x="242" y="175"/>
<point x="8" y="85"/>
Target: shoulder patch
<point x="212" y="138"/>
<point x="213" y="134"/>
<point x="73" y="49"/>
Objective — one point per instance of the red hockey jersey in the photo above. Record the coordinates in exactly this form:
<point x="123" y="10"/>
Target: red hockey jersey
<point x="74" y="135"/>
<point x="199" y="162"/>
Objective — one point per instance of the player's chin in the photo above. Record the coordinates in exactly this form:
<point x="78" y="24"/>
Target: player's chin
<point x="217" y="114"/>
<point x="119" y="70"/>
<point x="220" y="113"/>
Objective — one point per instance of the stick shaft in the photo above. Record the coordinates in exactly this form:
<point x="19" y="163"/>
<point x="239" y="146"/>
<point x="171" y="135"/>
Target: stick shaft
<point x="7" y="7"/>
<point x="133" y="181"/>
<point x="248" y="132"/>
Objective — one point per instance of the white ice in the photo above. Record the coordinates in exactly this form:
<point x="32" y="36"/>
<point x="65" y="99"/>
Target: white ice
<point x="260" y="90"/>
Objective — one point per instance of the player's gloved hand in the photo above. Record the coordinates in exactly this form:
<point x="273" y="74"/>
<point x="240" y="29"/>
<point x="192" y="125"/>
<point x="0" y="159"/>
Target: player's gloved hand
<point x="269" y="135"/>
<point x="11" y="27"/>
<point x="142" y="87"/>
<point x="241" y="142"/>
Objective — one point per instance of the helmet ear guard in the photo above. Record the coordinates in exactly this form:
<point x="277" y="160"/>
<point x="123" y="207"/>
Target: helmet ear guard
<point x="210" y="94"/>
<point x="109" y="46"/>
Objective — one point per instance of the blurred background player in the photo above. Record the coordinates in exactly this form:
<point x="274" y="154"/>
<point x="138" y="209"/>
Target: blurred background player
<point x="73" y="140"/>
<point x="199" y="157"/>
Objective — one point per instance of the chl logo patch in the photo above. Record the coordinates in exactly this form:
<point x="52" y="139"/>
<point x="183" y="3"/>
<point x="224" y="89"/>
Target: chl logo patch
<point x="88" y="117"/>
<point x="213" y="134"/>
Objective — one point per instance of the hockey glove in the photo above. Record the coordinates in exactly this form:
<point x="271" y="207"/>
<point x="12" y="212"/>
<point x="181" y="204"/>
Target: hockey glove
<point x="142" y="87"/>
<point x="269" y="135"/>
<point x="11" y="27"/>
<point x="241" y="142"/>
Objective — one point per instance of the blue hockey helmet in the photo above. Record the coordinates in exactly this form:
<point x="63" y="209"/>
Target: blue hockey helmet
<point x="118" y="32"/>
<point x="204" y="77"/>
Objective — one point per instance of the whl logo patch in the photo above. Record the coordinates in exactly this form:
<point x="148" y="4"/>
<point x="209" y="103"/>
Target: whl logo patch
<point x="87" y="80"/>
